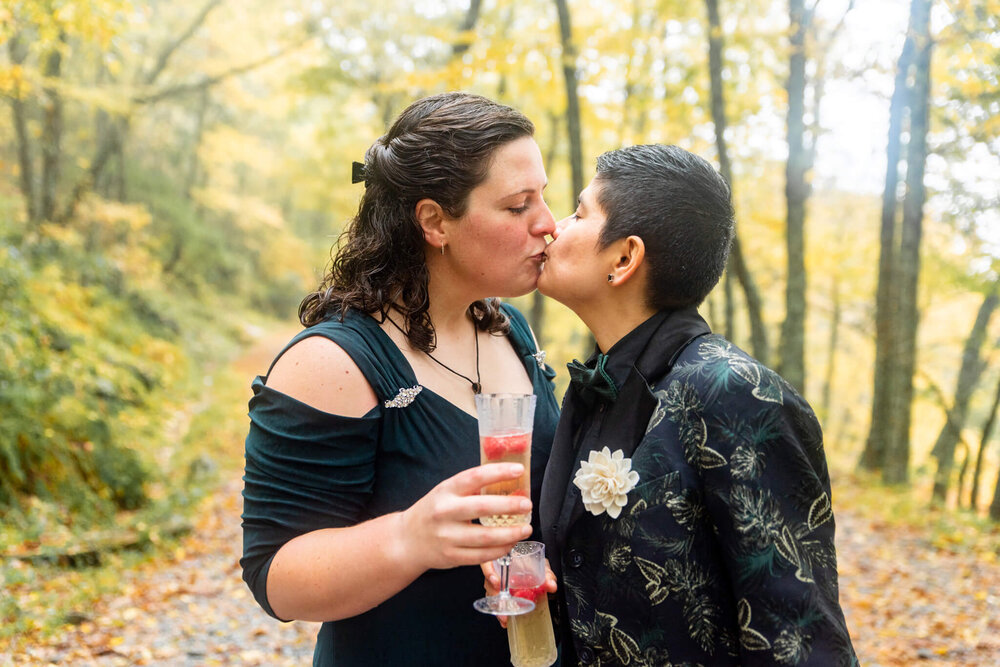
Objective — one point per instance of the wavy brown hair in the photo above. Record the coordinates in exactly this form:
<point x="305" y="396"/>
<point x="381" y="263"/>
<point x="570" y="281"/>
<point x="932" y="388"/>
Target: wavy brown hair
<point x="440" y="147"/>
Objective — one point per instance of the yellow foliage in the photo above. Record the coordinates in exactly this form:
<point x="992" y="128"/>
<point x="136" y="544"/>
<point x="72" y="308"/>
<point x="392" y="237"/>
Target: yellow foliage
<point x="111" y="214"/>
<point x="13" y="83"/>
<point x="64" y="234"/>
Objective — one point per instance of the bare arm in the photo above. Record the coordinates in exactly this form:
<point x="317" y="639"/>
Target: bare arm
<point x="335" y="573"/>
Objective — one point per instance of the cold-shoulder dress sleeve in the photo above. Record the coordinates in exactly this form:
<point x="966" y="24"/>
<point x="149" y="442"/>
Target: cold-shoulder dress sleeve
<point x="305" y="470"/>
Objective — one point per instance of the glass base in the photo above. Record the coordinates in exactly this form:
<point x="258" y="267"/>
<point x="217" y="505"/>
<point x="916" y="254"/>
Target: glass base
<point x="503" y="605"/>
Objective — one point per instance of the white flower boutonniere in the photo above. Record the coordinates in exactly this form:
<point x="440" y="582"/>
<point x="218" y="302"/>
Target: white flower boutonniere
<point x="604" y="480"/>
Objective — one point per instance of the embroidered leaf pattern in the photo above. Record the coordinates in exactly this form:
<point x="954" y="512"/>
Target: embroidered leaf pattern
<point x="747" y="462"/>
<point x="769" y="389"/>
<point x="737" y="475"/>
<point x="755" y="515"/>
<point x="617" y="557"/>
<point x="625" y="648"/>
<point x="662" y="401"/>
<point x="654" y="575"/>
<point x="820" y="512"/>
<point x="683" y="407"/>
<point x="791" y="646"/>
<point x="750" y="639"/>
<point x="790" y="549"/>
<point x="709" y="458"/>
<point x="684" y="509"/>
<point x="701" y="613"/>
<point x="747" y="371"/>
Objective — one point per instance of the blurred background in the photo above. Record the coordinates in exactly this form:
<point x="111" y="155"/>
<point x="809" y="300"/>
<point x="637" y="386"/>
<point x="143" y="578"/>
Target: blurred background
<point x="174" y="174"/>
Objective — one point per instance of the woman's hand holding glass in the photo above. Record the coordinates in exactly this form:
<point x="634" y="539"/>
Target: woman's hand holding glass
<point x="438" y="530"/>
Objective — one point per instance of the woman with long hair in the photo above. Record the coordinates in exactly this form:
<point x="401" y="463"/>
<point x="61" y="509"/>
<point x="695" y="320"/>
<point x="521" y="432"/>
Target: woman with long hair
<point x="362" y="461"/>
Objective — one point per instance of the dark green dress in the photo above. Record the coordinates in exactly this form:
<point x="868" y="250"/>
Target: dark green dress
<point x="307" y="469"/>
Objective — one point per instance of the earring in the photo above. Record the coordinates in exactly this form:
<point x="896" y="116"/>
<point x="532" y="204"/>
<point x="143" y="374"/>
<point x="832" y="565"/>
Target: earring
<point x="442" y="248"/>
<point x="610" y="277"/>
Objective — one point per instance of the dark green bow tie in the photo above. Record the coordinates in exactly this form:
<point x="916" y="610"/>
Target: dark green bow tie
<point x="591" y="380"/>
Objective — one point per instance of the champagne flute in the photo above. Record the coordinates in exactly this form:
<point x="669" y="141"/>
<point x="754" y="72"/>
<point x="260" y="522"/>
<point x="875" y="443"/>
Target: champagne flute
<point x="530" y="636"/>
<point x="505" y="424"/>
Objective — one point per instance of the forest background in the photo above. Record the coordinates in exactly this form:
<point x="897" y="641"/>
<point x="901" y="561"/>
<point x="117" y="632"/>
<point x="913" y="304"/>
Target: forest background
<point x="173" y="175"/>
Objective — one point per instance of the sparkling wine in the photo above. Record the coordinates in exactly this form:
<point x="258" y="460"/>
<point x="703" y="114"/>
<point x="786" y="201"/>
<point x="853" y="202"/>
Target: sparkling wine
<point x="530" y="636"/>
<point x="512" y="447"/>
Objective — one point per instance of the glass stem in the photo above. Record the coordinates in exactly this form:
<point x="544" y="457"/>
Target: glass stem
<point x="504" y="562"/>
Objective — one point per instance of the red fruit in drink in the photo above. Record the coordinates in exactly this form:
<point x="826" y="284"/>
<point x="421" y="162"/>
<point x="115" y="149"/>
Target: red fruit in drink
<point x="493" y="448"/>
<point x="517" y="443"/>
<point x="496" y="447"/>
<point x="529" y="593"/>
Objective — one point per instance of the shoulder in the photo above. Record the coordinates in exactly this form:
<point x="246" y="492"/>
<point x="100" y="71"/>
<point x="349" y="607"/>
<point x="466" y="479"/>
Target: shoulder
<point x="725" y="373"/>
<point x="714" y="378"/>
<point x="718" y="387"/>
<point x="320" y="373"/>
<point x="516" y="318"/>
<point x="520" y="330"/>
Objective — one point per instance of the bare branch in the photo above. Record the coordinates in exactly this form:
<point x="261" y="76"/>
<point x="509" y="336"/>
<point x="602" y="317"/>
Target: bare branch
<point x="171" y="48"/>
<point x="210" y="80"/>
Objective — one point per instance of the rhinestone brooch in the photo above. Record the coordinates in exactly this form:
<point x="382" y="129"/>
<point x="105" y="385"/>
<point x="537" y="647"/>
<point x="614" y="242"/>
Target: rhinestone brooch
<point x="404" y="397"/>
<point x="540" y="358"/>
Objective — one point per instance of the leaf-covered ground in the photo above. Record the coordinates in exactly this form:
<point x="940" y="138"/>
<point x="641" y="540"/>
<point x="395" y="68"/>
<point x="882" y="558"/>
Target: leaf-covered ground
<point x="916" y="596"/>
<point x="908" y="602"/>
<point x="915" y="592"/>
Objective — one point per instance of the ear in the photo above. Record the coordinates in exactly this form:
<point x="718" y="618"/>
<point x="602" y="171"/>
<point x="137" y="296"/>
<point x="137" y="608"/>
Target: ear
<point x="631" y="252"/>
<point x="430" y="216"/>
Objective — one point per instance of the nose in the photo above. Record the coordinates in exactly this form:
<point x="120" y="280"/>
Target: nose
<point x="560" y="226"/>
<point x="545" y="223"/>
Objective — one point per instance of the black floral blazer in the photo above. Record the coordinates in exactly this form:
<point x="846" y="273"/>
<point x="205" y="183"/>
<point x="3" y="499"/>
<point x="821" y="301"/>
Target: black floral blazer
<point x="724" y="553"/>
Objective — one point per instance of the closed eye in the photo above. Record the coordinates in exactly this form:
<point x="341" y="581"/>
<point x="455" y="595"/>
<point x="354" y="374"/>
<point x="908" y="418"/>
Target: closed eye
<point x="518" y="210"/>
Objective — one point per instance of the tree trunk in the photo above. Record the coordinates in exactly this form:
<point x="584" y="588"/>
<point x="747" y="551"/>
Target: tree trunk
<point x="112" y="142"/>
<point x="736" y="264"/>
<point x="983" y="443"/>
<point x="573" y="130"/>
<point x="729" y="305"/>
<point x="52" y="129"/>
<point x="792" y="365"/>
<point x="883" y="418"/>
<point x="19" y="112"/>
<point x="971" y="370"/>
<point x="572" y="100"/>
<point x="896" y="470"/>
<point x="995" y="505"/>
<point x="191" y="178"/>
<point x="468" y="23"/>
<point x="831" y="354"/>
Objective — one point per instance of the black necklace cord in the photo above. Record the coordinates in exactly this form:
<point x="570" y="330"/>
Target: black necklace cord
<point x="477" y="386"/>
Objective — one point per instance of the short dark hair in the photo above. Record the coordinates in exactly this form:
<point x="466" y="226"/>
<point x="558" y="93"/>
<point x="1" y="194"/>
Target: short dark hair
<point x="440" y="148"/>
<point x="680" y="207"/>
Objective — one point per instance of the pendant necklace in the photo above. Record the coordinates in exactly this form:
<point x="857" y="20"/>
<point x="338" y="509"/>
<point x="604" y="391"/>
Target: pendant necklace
<point x="477" y="386"/>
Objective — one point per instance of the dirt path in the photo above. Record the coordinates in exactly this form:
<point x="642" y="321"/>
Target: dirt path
<point x="910" y="602"/>
<point x="191" y="608"/>
<point x="907" y="602"/>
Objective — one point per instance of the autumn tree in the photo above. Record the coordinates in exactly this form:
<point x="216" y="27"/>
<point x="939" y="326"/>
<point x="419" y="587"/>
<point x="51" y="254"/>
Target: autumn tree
<point x="888" y="445"/>
<point x="972" y="368"/>
<point x="737" y="264"/>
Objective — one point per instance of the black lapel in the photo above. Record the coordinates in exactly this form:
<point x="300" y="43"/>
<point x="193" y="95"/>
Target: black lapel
<point x="625" y="424"/>
<point x="557" y="473"/>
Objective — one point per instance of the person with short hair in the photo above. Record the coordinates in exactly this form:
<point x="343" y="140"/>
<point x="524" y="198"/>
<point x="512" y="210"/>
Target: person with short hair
<point x="362" y="474"/>
<point x="686" y="506"/>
